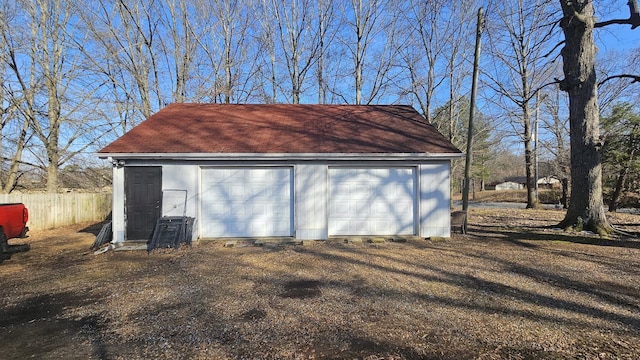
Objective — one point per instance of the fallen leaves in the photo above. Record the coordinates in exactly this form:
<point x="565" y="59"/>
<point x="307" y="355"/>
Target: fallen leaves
<point x="509" y="289"/>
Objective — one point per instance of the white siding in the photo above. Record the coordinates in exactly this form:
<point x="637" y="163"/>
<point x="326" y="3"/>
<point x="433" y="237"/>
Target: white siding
<point x="435" y="208"/>
<point x="311" y="202"/>
<point x="117" y="213"/>
<point x="181" y="177"/>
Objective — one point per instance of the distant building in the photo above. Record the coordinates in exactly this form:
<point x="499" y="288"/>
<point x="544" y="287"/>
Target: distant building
<point x="549" y="182"/>
<point x="510" y="183"/>
<point x="520" y="182"/>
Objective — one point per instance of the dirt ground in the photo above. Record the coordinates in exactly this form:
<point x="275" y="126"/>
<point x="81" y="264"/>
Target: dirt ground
<point x="513" y="288"/>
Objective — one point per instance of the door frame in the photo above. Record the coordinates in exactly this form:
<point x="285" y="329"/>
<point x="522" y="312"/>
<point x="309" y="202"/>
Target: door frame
<point x="153" y="206"/>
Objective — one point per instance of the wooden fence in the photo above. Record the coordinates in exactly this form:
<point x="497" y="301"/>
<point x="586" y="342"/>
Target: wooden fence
<point x="47" y="211"/>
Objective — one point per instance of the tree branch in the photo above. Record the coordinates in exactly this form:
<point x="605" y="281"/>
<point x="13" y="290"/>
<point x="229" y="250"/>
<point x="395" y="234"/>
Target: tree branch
<point x="633" y="20"/>
<point x="21" y="162"/>
<point x="554" y="49"/>
<point x="635" y="78"/>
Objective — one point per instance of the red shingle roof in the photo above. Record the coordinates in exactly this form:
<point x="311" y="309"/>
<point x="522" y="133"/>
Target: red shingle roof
<point x="217" y="128"/>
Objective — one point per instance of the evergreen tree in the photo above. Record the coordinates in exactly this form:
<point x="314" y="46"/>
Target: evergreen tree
<point x="456" y="130"/>
<point x="620" y="156"/>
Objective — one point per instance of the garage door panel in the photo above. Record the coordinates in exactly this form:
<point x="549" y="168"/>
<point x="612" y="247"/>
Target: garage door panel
<point x="247" y="202"/>
<point x="258" y="190"/>
<point x="281" y="227"/>
<point x="361" y="208"/>
<point x="382" y="226"/>
<point x="257" y="226"/>
<point x="372" y="201"/>
<point x="358" y="225"/>
<point x="380" y="209"/>
<point x="339" y="208"/>
<point x="217" y="209"/>
<point x="341" y="224"/>
<point x="279" y="210"/>
<point x="235" y="191"/>
<point x="403" y="207"/>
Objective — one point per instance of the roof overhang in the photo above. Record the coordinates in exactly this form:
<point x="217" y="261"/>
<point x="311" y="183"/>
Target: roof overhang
<point x="283" y="156"/>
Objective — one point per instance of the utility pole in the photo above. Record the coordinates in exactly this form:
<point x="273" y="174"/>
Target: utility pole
<point x="474" y="87"/>
<point x="535" y="147"/>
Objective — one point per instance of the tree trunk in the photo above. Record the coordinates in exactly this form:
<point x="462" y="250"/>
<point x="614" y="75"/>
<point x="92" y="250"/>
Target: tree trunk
<point x="565" y="190"/>
<point x="622" y="177"/>
<point x="613" y="203"/>
<point x="532" y="200"/>
<point x="14" y="169"/>
<point x="52" y="178"/>
<point x="357" y="10"/>
<point x="322" y="19"/>
<point x="586" y="209"/>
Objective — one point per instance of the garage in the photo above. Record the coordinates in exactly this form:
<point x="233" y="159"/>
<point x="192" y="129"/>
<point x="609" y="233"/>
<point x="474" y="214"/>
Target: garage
<point x="247" y="202"/>
<point x="291" y="170"/>
<point x="372" y="201"/>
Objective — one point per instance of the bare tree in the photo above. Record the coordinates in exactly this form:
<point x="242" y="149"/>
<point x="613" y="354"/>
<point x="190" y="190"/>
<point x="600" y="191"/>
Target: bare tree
<point x="182" y="45"/>
<point x="104" y="61"/>
<point x="266" y="45"/>
<point x="11" y="122"/>
<point x="227" y="49"/>
<point x="364" y="23"/>
<point x="457" y="56"/>
<point x="126" y="34"/>
<point x="555" y="123"/>
<point x="326" y="34"/>
<point x="612" y="88"/>
<point x="586" y="209"/>
<point x="519" y="43"/>
<point x="298" y="40"/>
<point x="437" y="31"/>
<point x="49" y="92"/>
<point x="372" y="22"/>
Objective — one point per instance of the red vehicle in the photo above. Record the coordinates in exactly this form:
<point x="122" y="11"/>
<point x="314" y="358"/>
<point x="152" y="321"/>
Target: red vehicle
<point x="13" y="223"/>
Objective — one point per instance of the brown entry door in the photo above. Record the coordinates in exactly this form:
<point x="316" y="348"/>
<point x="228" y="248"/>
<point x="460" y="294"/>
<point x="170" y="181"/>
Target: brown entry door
<point x="143" y="191"/>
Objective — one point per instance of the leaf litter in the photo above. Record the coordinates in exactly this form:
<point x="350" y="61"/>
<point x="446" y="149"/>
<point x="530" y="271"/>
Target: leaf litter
<point x="512" y="288"/>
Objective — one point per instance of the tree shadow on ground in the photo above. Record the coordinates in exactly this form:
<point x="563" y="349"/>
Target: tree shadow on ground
<point x="524" y="236"/>
<point x="14" y="249"/>
<point x="463" y="280"/>
<point x="37" y="323"/>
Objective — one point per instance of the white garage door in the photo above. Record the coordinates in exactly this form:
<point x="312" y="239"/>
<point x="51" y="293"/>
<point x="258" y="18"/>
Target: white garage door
<point x="371" y="201"/>
<point x="247" y="202"/>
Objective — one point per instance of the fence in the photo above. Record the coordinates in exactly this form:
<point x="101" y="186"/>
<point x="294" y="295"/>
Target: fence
<point x="47" y="211"/>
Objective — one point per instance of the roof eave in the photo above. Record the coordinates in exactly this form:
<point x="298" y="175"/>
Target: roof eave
<point x="282" y="156"/>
